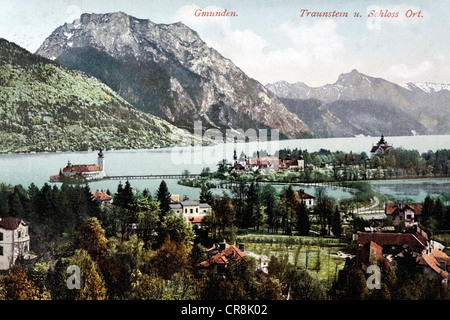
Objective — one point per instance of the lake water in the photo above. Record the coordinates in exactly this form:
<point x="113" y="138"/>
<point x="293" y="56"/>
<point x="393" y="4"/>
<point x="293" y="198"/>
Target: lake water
<point x="38" y="167"/>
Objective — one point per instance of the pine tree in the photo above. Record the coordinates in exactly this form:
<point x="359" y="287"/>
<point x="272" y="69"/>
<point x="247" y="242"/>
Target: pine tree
<point x="336" y="223"/>
<point x="205" y="195"/>
<point x="163" y="197"/>
<point x="303" y="223"/>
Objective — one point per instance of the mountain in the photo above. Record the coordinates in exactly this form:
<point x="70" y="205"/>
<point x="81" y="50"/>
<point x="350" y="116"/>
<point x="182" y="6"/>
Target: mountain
<point x="370" y="106"/>
<point x="47" y="107"/>
<point x="169" y="71"/>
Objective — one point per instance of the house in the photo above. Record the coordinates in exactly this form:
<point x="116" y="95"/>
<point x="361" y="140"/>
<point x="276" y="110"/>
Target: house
<point x="102" y="197"/>
<point x="307" y="199"/>
<point x="381" y="147"/>
<point x="14" y="241"/>
<point x="85" y="171"/>
<point x="435" y="264"/>
<point x="384" y="248"/>
<point x="220" y="256"/>
<point x="371" y="253"/>
<point x="393" y="243"/>
<point x="193" y="211"/>
<point x="407" y="212"/>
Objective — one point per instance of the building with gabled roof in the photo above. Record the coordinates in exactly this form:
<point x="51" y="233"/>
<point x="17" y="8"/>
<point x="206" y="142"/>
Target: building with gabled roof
<point x="192" y="210"/>
<point x="220" y="256"/>
<point x="435" y="264"/>
<point x="406" y="212"/>
<point x="102" y="197"/>
<point x="14" y="241"/>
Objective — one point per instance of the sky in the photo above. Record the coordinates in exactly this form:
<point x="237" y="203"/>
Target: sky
<point x="271" y="41"/>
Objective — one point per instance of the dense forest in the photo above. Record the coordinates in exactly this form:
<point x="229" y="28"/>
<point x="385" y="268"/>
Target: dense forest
<point x="137" y="248"/>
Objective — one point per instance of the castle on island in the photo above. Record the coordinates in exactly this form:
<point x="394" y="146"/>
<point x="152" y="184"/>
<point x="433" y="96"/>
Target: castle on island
<point x="82" y="171"/>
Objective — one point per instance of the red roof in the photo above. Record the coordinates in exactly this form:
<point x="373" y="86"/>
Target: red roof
<point x="432" y="260"/>
<point x="303" y="195"/>
<point x="224" y="257"/>
<point x="10" y="223"/>
<point x="80" y="168"/>
<point x="195" y="219"/>
<point x="369" y="249"/>
<point x="101" y="196"/>
<point x="392" y="239"/>
<point x="392" y="207"/>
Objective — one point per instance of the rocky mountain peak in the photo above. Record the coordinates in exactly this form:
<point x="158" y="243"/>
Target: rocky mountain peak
<point x="169" y="71"/>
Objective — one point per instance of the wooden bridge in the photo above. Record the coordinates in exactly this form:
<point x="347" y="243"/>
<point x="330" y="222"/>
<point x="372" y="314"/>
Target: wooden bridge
<point x="152" y="176"/>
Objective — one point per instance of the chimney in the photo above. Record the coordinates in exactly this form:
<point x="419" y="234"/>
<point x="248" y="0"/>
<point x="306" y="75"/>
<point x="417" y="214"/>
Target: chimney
<point x="222" y="246"/>
<point x="242" y="247"/>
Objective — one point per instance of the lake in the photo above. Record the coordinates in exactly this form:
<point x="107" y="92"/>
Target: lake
<point x="38" y="167"/>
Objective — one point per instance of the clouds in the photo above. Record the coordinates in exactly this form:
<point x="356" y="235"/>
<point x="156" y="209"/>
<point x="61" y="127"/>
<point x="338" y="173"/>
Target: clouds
<point x="300" y="46"/>
<point x="405" y="72"/>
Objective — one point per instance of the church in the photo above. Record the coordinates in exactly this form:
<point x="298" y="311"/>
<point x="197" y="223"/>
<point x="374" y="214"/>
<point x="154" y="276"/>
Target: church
<point x="381" y="146"/>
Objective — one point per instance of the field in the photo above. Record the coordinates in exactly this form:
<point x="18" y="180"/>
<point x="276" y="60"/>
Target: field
<point x="323" y="257"/>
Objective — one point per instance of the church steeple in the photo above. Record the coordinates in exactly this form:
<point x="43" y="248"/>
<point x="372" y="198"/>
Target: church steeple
<point x="101" y="160"/>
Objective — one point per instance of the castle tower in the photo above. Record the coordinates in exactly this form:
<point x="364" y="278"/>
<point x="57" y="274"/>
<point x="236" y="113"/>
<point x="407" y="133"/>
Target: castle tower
<point x="101" y="160"/>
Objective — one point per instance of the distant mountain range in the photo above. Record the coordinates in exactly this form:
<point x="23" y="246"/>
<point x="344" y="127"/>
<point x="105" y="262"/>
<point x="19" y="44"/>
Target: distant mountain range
<point x="357" y="104"/>
<point x="47" y="107"/>
<point x="167" y="70"/>
<point x="113" y="81"/>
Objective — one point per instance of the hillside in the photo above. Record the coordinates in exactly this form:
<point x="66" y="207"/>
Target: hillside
<point x="46" y="107"/>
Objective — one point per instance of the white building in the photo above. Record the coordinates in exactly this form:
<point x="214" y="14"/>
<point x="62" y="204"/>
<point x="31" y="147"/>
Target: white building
<point x="193" y="211"/>
<point x="87" y="171"/>
<point x="14" y="241"/>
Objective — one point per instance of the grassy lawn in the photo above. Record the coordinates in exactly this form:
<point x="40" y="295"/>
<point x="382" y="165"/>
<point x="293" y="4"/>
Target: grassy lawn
<point x="318" y="255"/>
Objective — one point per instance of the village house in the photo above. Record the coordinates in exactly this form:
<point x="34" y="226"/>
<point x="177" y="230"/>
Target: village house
<point x="193" y="211"/>
<point x="307" y="199"/>
<point x="386" y="247"/>
<point x="409" y="213"/>
<point x="14" y="241"/>
<point x="101" y="197"/>
<point x="219" y="257"/>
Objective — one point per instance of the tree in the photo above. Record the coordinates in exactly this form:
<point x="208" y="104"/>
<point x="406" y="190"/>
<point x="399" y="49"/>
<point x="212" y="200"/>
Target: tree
<point x="323" y="209"/>
<point x="336" y="223"/>
<point x="303" y="222"/>
<point x="92" y="238"/>
<point x="357" y="285"/>
<point x="270" y="202"/>
<point x="221" y="219"/>
<point x="427" y="210"/>
<point x="206" y="195"/>
<point x="163" y="197"/>
<point x="252" y="213"/>
<point x="17" y="286"/>
<point x="290" y="201"/>
<point x="92" y="284"/>
<point x="170" y="258"/>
